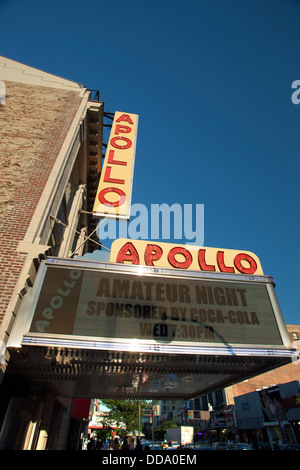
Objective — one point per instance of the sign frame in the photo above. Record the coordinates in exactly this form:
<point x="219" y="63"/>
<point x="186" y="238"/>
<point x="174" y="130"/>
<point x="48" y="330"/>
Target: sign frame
<point x="113" y="197"/>
<point x="194" y="258"/>
<point x="21" y="334"/>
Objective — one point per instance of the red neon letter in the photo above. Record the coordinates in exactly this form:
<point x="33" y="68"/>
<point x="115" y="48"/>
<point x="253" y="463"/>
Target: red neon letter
<point x="222" y="267"/>
<point x="128" y="253"/>
<point x="237" y="262"/>
<point x="126" y="118"/>
<point x="180" y="264"/>
<point x="152" y="253"/>
<point x="121" y="147"/>
<point x="124" y="129"/>
<point x="105" y="202"/>
<point x="202" y="263"/>
<point x="110" y="159"/>
<point x="108" y="179"/>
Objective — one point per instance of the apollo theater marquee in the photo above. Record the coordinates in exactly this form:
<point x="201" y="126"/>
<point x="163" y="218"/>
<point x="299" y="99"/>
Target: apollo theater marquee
<point x="156" y="321"/>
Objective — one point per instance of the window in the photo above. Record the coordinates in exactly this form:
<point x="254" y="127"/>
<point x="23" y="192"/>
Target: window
<point x="2" y="92"/>
<point x="59" y="229"/>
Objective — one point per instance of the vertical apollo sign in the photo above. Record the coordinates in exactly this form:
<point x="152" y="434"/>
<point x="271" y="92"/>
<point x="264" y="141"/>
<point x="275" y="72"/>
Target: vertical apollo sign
<point x="115" y="186"/>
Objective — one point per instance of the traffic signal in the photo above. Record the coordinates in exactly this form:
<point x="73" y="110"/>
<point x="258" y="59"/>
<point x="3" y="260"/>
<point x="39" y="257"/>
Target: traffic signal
<point x="190" y="414"/>
<point x="156" y="410"/>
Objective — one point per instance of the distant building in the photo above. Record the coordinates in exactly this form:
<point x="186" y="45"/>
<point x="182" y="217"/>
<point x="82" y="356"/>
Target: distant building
<point x="225" y="420"/>
<point x="270" y="415"/>
<point x="281" y="375"/>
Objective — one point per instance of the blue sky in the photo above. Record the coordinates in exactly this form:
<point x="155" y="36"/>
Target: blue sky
<point x="211" y="83"/>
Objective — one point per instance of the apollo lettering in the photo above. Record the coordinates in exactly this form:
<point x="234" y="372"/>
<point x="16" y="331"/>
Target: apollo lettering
<point x="57" y="300"/>
<point x="153" y="252"/>
<point x="115" y="158"/>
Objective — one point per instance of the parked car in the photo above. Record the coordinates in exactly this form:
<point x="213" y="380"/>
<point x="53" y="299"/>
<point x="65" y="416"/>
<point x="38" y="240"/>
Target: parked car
<point x="221" y="446"/>
<point x="240" y="446"/>
<point x="152" y="447"/>
<point x="189" y="446"/>
<point x="289" y="447"/>
<point x="172" y="445"/>
<point x="204" y="447"/>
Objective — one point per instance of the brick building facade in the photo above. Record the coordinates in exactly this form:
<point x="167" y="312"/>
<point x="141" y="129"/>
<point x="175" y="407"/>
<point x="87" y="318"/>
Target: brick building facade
<point x="34" y="124"/>
<point x="281" y="375"/>
<point x="50" y="153"/>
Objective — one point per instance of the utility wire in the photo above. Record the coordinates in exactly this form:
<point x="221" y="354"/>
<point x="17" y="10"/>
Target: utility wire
<point x="79" y="233"/>
<point x="88" y="238"/>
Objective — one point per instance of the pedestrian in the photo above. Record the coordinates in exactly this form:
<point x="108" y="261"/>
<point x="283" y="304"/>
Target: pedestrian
<point x="131" y="443"/>
<point x="104" y="445"/>
<point x="91" y="444"/>
<point x="138" y="445"/>
<point x="116" y="445"/>
<point x="98" y="445"/>
<point x="125" y="445"/>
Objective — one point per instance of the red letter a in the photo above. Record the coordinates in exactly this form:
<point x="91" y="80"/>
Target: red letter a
<point x="126" y="118"/>
<point x="128" y="253"/>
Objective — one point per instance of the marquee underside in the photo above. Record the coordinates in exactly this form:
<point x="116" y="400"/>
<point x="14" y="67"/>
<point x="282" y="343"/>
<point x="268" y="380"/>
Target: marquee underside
<point x="109" y="374"/>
